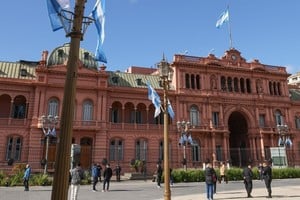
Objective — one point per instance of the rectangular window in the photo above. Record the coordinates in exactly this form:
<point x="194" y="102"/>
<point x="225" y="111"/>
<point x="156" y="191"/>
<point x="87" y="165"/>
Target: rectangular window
<point x="262" y="119"/>
<point x="116" y="150"/>
<point x="141" y="150"/>
<point x="215" y="119"/>
<point x="13" y="148"/>
<point x="195" y="153"/>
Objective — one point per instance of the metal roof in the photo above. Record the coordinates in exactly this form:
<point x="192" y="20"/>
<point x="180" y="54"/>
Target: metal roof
<point x="18" y="70"/>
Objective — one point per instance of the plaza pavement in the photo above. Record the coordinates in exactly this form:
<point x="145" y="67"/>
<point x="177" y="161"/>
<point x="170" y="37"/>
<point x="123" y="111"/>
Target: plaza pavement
<point x="283" y="189"/>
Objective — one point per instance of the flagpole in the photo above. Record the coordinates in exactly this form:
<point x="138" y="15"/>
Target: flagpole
<point x="229" y="30"/>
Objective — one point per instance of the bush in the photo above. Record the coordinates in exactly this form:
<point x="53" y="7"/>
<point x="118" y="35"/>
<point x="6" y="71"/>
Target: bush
<point x="233" y="174"/>
<point x="40" y="179"/>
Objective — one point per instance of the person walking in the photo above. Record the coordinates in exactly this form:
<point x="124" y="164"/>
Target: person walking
<point x="209" y="173"/>
<point x="260" y="171"/>
<point x="159" y="172"/>
<point x="215" y="180"/>
<point x="171" y="178"/>
<point x="267" y="176"/>
<point x="76" y="177"/>
<point x="107" y="174"/>
<point x="99" y="168"/>
<point x="117" y="170"/>
<point x="248" y="175"/>
<point x="223" y="173"/>
<point x="95" y="176"/>
<point x="26" y="177"/>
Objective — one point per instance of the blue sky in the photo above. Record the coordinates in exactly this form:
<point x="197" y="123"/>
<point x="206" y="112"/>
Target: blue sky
<point x="138" y="32"/>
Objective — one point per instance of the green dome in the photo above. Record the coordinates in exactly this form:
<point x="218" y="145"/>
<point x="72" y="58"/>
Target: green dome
<point x="60" y="56"/>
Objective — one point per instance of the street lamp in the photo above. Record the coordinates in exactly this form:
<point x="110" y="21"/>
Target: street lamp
<point x="166" y="74"/>
<point x="47" y="124"/>
<point x="284" y="139"/>
<point x="183" y="128"/>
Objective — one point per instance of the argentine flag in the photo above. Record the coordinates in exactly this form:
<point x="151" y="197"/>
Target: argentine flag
<point x="98" y="15"/>
<point x="224" y="17"/>
<point x="55" y="8"/>
<point x="170" y="110"/>
<point x="153" y="96"/>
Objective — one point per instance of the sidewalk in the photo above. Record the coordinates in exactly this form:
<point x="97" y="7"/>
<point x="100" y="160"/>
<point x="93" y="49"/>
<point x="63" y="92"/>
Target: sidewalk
<point x="282" y="193"/>
<point x="146" y="190"/>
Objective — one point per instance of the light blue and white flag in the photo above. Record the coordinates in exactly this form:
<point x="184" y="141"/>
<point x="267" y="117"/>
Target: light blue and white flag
<point x="170" y="110"/>
<point x="288" y="142"/>
<point x="98" y="14"/>
<point x="280" y="142"/>
<point x="153" y="96"/>
<point x="53" y="132"/>
<point x="55" y="8"/>
<point x="224" y="17"/>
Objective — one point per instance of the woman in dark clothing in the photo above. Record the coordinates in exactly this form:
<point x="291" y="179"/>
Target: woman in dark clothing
<point x="209" y="174"/>
<point x="267" y="175"/>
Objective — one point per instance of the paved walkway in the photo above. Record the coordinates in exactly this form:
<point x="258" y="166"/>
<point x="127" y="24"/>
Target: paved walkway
<point x="284" y="189"/>
<point x="282" y="193"/>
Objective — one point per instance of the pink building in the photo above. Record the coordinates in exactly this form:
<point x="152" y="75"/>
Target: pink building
<point x="233" y="107"/>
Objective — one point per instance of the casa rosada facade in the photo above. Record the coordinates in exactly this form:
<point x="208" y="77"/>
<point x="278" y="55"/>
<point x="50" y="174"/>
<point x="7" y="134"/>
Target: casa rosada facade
<point x="233" y="107"/>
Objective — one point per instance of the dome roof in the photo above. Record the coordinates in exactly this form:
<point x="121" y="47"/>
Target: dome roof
<point x="60" y="56"/>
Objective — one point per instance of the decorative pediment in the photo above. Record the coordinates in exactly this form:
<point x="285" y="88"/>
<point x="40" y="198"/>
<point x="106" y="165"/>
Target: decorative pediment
<point x="233" y="56"/>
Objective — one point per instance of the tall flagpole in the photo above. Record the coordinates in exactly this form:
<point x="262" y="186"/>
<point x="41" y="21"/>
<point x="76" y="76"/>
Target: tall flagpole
<point x="229" y="30"/>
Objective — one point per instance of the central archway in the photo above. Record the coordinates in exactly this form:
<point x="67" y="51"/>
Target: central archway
<point x="238" y="140"/>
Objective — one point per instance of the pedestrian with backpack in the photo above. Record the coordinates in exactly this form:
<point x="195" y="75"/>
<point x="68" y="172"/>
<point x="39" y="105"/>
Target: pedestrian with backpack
<point x="76" y="177"/>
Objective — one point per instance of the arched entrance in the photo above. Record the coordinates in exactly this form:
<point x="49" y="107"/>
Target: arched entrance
<point x="238" y="140"/>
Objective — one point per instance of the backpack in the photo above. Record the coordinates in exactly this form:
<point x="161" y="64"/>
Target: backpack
<point x="76" y="176"/>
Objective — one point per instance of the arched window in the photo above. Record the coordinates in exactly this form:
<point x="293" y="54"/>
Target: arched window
<point x="13" y="148"/>
<point x="116" y="150"/>
<point x="5" y="102"/>
<point x="130" y="113"/>
<point x="194" y="116"/>
<point x="116" y="111"/>
<point x="87" y="110"/>
<point x="53" y="107"/>
<point x="19" y="107"/>
<point x="141" y="149"/>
